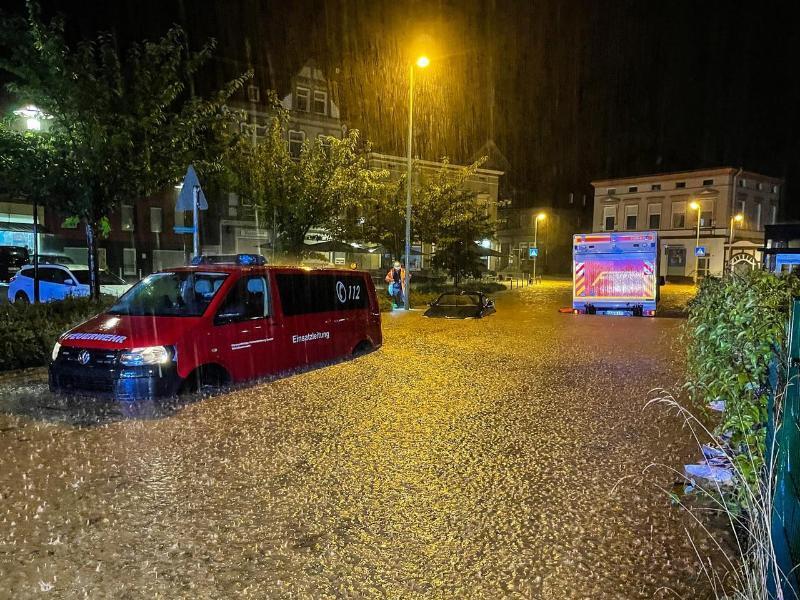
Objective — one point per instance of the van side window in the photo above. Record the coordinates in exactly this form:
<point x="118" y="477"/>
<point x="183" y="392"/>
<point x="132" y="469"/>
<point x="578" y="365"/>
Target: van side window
<point x="303" y="294"/>
<point x="249" y="299"/>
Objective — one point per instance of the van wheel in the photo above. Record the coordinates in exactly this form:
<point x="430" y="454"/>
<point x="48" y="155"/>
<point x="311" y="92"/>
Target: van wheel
<point x="22" y="298"/>
<point x="203" y="378"/>
<point x="363" y="347"/>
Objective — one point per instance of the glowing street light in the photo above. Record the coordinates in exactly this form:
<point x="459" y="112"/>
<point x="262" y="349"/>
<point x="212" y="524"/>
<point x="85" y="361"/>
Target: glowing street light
<point x="540" y="217"/>
<point x="421" y="62"/>
<point x="735" y="219"/>
<point x="33" y="117"/>
<point x="694" y="205"/>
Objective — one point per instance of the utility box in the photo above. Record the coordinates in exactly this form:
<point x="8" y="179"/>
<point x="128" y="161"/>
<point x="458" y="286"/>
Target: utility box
<point x="615" y="273"/>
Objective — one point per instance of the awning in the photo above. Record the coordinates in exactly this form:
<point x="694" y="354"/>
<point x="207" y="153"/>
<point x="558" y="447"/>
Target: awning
<point x="21" y="227"/>
<point x="330" y="246"/>
<point x="483" y="251"/>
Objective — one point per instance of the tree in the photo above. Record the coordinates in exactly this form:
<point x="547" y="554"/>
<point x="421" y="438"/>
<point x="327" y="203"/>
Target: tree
<point x="323" y="187"/>
<point x="451" y="216"/>
<point x="123" y="124"/>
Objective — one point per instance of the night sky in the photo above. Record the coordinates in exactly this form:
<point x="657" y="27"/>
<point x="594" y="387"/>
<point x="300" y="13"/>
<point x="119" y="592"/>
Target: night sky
<point x="569" y="90"/>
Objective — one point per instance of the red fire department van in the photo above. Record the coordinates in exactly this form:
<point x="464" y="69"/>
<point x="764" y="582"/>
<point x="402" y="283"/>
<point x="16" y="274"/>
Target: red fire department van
<point x="210" y="323"/>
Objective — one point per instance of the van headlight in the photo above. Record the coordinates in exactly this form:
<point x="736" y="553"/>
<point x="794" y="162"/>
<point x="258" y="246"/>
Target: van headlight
<point x="56" y="349"/>
<point x="151" y="355"/>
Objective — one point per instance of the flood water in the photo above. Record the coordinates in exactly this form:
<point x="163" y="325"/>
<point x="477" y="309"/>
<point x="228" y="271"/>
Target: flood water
<point x="497" y="458"/>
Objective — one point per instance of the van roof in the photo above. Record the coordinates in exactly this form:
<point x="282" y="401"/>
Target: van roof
<point x="232" y="268"/>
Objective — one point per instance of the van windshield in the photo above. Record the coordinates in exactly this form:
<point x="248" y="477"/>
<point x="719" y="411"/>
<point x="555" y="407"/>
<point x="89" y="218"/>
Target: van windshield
<point x="183" y="294"/>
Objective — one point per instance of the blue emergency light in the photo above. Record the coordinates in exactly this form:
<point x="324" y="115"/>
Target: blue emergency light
<point x="244" y="260"/>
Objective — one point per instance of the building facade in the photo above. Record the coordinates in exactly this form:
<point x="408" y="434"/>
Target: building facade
<point x="519" y="231"/>
<point x="673" y="203"/>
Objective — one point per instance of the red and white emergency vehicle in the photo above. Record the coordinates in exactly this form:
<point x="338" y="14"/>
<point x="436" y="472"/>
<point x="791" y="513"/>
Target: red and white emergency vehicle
<point x="217" y="323"/>
<point x="615" y="273"/>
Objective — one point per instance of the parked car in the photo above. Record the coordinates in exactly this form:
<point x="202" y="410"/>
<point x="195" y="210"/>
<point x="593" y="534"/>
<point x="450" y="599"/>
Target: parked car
<point x="208" y="324"/>
<point x="56" y="282"/>
<point x="11" y="260"/>
<point x="463" y="305"/>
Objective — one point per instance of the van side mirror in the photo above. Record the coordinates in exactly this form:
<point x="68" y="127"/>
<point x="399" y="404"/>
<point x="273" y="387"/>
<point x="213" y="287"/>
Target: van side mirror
<point x="68" y="281"/>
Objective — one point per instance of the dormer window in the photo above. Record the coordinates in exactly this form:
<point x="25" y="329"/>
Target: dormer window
<point x="320" y="102"/>
<point x="611" y="191"/>
<point x="301" y="100"/>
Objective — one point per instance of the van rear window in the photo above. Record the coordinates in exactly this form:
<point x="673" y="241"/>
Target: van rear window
<point x="302" y="293"/>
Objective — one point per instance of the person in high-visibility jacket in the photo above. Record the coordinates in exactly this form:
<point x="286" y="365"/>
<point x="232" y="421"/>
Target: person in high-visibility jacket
<point x="396" y="278"/>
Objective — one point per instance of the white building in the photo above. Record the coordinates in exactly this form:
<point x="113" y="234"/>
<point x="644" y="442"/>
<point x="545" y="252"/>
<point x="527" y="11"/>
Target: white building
<point x="663" y="203"/>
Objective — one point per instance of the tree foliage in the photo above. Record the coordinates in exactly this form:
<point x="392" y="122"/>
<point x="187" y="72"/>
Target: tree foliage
<point x="124" y="125"/>
<point x="323" y="187"/>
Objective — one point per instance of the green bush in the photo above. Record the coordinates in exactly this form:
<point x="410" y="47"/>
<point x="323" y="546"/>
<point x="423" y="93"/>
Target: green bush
<point x="736" y="326"/>
<point x="28" y="331"/>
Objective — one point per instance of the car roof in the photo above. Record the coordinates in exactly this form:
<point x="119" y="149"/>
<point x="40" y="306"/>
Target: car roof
<point x="70" y="267"/>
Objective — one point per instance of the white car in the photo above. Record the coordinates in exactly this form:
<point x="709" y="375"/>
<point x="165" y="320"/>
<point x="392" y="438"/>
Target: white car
<point x="56" y="282"/>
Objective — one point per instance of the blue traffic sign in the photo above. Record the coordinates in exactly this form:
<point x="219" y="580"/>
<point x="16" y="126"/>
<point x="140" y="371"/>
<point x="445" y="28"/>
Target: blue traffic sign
<point x="181" y="229"/>
<point x="186" y="198"/>
<point x="533" y="252"/>
<point x="699" y="250"/>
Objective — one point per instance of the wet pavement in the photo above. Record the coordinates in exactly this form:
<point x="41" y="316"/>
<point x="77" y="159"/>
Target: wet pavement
<point x="472" y="459"/>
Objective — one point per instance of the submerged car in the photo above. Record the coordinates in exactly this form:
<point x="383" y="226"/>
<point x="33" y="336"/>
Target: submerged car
<point x="463" y="305"/>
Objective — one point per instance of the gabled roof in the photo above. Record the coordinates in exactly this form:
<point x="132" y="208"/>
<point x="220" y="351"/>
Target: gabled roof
<point x="496" y="160"/>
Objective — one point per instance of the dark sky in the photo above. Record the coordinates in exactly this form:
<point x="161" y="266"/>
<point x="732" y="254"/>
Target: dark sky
<point x="570" y="90"/>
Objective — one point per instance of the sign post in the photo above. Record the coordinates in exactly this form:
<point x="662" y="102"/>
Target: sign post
<point x="191" y="197"/>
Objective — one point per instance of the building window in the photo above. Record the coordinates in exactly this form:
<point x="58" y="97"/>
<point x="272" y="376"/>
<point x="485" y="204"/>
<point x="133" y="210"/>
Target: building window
<point x="679" y="185"/>
<point x="654" y="216"/>
<point x="631" y="215"/>
<point x="758" y="216"/>
<point x="126" y="218"/>
<point x="706" y="218"/>
<point x="296" y="139"/>
<point x="611" y="191"/>
<point x="301" y="100"/>
<point x="656" y="187"/>
<point x="320" y="102"/>
<point x="253" y="93"/>
<point x="678" y="215"/>
<point x="156" y="220"/>
<point x="775" y="189"/>
<point x="129" y="261"/>
<point x="708" y="182"/>
<point x="760" y="186"/>
<point x="609" y="218"/>
<point x="774" y="218"/>
<point x="743" y="183"/>
<point x="633" y="189"/>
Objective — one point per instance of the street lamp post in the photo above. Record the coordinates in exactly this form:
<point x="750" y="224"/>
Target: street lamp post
<point x="33" y="122"/>
<point x="422" y="62"/>
<point x="734" y="219"/>
<point x="696" y="206"/>
<point x="539" y="217"/>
